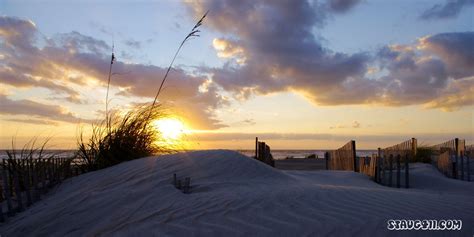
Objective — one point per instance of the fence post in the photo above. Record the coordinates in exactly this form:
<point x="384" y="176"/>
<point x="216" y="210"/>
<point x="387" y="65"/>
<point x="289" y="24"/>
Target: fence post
<point x="16" y="180"/>
<point x="406" y="171"/>
<point x="49" y="165"/>
<point x="26" y="181"/>
<point x="256" y="147"/>
<point x="353" y="148"/>
<point x="377" y="169"/>
<point x="380" y="164"/>
<point x="414" y="146"/>
<point x="326" y="157"/>
<point x="6" y="188"/>
<point x="390" y="159"/>
<point x="34" y="175"/>
<point x="462" y="165"/>
<point x="2" y="219"/>
<point x="398" y="171"/>
<point x="453" y="164"/>
<point x="43" y="175"/>
<point x="456" y="144"/>
<point x="468" y="168"/>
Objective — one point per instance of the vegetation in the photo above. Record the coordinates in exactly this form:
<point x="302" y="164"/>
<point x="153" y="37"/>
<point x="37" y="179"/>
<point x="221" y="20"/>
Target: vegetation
<point x="121" y="138"/>
<point x="423" y="154"/>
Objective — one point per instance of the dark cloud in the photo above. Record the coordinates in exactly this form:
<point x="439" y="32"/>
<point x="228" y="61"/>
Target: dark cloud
<point x="342" y="5"/>
<point x="277" y="48"/>
<point x="271" y="47"/>
<point x="455" y="49"/>
<point x="450" y="9"/>
<point x="75" y="59"/>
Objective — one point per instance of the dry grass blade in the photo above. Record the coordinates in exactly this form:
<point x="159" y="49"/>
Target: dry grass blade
<point x="194" y="33"/>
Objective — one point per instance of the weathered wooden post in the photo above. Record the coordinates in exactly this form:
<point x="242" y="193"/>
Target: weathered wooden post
<point x="187" y="183"/>
<point x="256" y="147"/>
<point x="48" y="171"/>
<point x="379" y="164"/>
<point x="390" y="160"/>
<point x="326" y="157"/>
<point x="6" y="187"/>
<point x="455" y="169"/>
<point x="398" y="171"/>
<point x="26" y="181"/>
<point x="43" y="175"/>
<point x="407" y="168"/>
<point x="16" y="180"/>
<point x="34" y="175"/>
<point x="261" y="151"/>
<point x="414" y="147"/>
<point x="174" y="180"/>
<point x="468" y="169"/>
<point x="2" y="219"/>
<point x="354" y="158"/>
<point x="462" y="165"/>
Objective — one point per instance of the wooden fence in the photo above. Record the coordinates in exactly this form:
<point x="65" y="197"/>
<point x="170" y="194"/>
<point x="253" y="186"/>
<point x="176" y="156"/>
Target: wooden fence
<point x="453" y="159"/>
<point x="343" y="158"/>
<point x="389" y="161"/>
<point x="23" y="181"/>
<point x="469" y="160"/>
<point x="368" y="165"/>
<point x="263" y="153"/>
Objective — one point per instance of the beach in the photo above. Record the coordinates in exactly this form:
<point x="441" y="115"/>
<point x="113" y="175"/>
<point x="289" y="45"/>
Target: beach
<point x="235" y="195"/>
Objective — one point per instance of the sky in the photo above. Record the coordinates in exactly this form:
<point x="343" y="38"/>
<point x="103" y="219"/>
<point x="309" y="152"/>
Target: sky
<point x="298" y="74"/>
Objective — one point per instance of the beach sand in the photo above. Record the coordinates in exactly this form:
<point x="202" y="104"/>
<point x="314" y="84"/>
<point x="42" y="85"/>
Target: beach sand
<point x="234" y="195"/>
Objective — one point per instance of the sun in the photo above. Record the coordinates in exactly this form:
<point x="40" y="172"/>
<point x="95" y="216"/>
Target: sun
<point x="170" y="128"/>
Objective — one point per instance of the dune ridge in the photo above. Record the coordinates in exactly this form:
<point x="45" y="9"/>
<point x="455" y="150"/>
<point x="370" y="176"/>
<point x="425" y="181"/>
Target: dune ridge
<point x="234" y="195"/>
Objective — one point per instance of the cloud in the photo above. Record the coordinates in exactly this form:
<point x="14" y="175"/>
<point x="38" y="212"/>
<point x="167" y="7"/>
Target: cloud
<point x="71" y="62"/>
<point x="458" y="93"/>
<point x="281" y="53"/>
<point x="133" y="43"/>
<point x="356" y="124"/>
<point x="33" y="121"/>
<point x="228" y="49"/>
<point x="450" y="9"/>
<point x="455" y="49"/>
<point x="341" y="6"/>
<point x="39" y="110"/>
<point x="432" y="138"/>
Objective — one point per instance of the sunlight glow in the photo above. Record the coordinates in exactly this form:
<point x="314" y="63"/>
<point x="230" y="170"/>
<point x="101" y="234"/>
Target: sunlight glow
<point x="170" y="128"/>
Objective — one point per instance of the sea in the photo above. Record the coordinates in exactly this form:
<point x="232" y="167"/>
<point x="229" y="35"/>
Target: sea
<point x="296" y="154"/>
<point x="277" y="154"/>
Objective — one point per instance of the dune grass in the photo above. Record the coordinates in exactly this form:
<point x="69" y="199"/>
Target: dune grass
<point x="121" y="138"/>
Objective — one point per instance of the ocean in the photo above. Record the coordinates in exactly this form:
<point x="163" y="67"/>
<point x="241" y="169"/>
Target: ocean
<point x="277" y="154"/>
<point x="282" y="154"/>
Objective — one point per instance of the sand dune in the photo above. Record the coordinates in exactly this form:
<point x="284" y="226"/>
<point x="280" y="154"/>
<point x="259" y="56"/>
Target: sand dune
<point x="234" y="195"/>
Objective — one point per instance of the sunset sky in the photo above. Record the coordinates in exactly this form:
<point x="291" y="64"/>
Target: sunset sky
<point x="298" y="74"/>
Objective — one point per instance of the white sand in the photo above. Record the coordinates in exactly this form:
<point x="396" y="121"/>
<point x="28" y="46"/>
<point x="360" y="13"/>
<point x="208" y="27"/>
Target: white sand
<point x="236" y="195"/>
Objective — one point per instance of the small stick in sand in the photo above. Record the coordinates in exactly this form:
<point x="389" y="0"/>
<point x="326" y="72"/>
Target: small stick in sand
<point x="187" y="185"/>
<point x="174" y="180"/>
